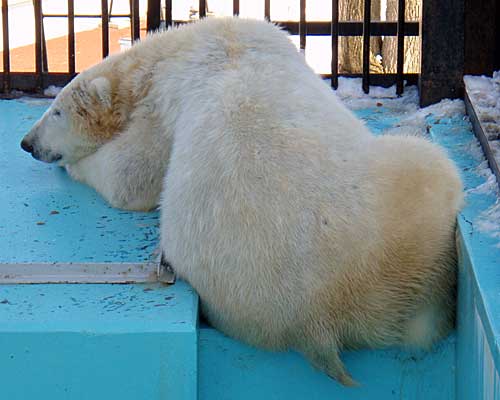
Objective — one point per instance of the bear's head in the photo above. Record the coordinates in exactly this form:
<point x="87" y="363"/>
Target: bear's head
<point x="79" y="121"/>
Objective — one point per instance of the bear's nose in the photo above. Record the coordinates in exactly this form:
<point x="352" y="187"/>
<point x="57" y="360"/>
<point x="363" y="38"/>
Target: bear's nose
<point x="26" y="146"/>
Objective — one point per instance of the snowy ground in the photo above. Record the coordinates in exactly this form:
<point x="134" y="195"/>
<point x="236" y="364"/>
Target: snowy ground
<point x="406" y="118"/>
<point x="484" y="93"/>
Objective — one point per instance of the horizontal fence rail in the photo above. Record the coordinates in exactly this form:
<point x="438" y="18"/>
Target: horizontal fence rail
<point x="42" y="77"/>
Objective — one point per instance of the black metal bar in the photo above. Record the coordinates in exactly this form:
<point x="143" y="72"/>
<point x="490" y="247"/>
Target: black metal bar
<point x="110" y="15"/>
<point x="27" y="81"/>
<point x="105" y="28"/>
<point x="442" y="66"/>
<point x="6" y="47"/>
<point x="267" y="10"/>
<point x="45" y="66"/>
<point x="345" y="28"/>
<point x="401" y="48"/>
<point x="384" y="80"/>
<point x="366" y="45"/>
<point x="313" y="28"/>
<point x="350" y="28"/>
<point x="236" y="7"/>
<point x="154" y="14"/>
<point x="335" y="44"/>
<point x="71" y="37"/>
<point x="202" y="8"/>
<point x="496" y="49"/>
<point x="168" y="13"/>
<point x="135" y="23"/>
<point x="482" y="30"/>
<point x="38" y="44"/>
<point x="302" y="25"/>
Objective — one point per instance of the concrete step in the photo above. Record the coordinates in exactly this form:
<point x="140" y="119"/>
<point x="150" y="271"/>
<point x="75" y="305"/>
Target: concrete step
<point x="124" y="342"/>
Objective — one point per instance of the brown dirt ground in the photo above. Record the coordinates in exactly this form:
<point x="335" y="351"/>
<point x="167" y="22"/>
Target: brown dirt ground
<point x="87" y="47"/>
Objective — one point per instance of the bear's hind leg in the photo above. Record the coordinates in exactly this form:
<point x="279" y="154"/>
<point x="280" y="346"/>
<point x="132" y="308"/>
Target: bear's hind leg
<point x="431" y="322"/>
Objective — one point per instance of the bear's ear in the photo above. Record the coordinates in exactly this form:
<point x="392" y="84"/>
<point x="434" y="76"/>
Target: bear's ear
<point x="100" y="89"/>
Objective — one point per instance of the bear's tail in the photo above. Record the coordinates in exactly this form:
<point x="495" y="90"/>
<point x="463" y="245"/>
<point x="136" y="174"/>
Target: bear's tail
<point x="328" y="361"/>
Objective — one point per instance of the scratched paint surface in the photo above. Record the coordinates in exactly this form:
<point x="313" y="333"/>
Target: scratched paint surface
<point x="84" y="342"/>
<point x="98" y="308"/>
<point x="230" y="370"/>
<point x="46" y="217"/>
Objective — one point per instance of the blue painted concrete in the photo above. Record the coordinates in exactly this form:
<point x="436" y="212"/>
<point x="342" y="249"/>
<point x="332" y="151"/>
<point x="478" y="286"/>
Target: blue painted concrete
<point x="478" y="325"/>
<point x="62" y="342"/>
<point x="98" y="309"/>
<point x="129" y="342"/>
<point x="230" y="370"/>
<point x="46" y="217"/>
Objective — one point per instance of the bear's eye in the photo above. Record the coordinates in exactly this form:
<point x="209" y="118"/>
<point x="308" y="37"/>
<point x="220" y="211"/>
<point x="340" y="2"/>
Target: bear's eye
<point x="56" y="113"/>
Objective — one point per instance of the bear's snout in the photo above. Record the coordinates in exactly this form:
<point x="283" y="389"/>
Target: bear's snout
<point x="29" y="145"/>
<point x="26" y="145"/>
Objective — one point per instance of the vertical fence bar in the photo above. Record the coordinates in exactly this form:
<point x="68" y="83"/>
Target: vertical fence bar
<point x="366" y="45"/>
<point x="45" y="65"/>
<point x="6" y="46"/>
<point x="105" y="28"/>
<point x="38" y="44"/>
<point x="154" y="12"/>
<point x="202" y="8"/>
<point x="135" y="23"/>
<point x="302" y="25"/>
<point x="482" y="24"/>
<point x="442" y="55"/>
<point x="168" y="13"/>
<point x="236" y="7"/>
<point x="71" y="37"/>
<point x="267" y="10"/>
<point x="335" y="44"/>
<point x="401" y="48"/>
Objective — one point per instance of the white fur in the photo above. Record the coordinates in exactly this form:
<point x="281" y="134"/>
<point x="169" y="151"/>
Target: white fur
<point x="296" y="226"/>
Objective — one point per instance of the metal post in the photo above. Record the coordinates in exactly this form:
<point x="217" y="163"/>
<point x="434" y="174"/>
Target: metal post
<point x="154" y="13"/>
<point x="71" y="37"/>
<point x="6" y="47"/>
<point x="401" y="48"/>
<point x="366" y="45"/>
<point x="38" y="44"/>
<point x="442" y="50"/>
<point x="105" y="28"/>
<point x="335" y="44"/>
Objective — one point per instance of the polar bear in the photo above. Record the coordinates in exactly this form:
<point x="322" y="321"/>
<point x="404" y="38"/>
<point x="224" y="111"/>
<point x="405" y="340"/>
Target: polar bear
<point x="297" y="227"/>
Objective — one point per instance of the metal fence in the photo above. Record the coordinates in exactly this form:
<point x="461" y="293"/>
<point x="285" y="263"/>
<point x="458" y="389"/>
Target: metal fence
<point x="41" y="78"/>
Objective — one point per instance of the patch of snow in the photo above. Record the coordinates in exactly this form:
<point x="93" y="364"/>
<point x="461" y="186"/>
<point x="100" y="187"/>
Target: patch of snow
<point x="488" y="221"/>
<point x="52" y="91"/>
<point x="475" y="150"/>
<point x="484" y="93"/>
<point x="487" y="187"/>
<point x="414" y="121"/>
<point x="351" y="93"/>
<point x="36" y="101"/>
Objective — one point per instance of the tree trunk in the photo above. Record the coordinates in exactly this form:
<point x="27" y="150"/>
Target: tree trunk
<point x="351" y="48"/>
<point x="412" y="43"/>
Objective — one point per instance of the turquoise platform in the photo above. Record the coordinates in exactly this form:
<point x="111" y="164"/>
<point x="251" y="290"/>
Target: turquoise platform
<point x="144" y="341"/>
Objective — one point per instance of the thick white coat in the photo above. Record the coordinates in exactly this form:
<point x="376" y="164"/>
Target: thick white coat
<point x="296" y="226"/>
